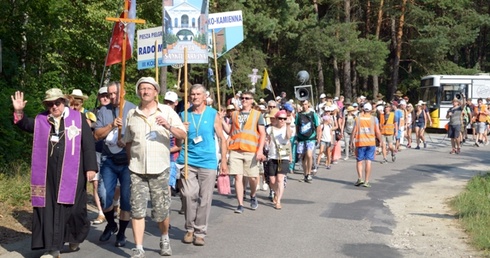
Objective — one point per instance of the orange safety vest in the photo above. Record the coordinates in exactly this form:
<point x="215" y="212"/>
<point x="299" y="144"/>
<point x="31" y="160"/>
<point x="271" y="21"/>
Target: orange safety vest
<point x="365" y="133"/>
<point x="246" y="138"/>
<point x="388" y="126"/>
<point x="479" y="113"/>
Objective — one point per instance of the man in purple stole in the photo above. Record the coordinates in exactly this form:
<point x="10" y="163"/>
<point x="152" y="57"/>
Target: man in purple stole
<point x="63" y="159"/>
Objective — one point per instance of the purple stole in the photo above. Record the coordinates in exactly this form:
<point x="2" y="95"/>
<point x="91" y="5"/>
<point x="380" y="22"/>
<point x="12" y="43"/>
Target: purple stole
<point x="71" y="158"/>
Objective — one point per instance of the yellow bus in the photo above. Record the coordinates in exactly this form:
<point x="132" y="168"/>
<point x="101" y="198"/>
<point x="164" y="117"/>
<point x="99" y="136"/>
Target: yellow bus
<point x="438" y="91"/>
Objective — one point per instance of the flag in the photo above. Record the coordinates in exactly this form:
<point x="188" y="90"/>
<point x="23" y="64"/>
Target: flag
<point x="228" y="74"/>
<point x="266" y="82"/>
<point x="210" y="75"/>
<point x="114" y="55"/>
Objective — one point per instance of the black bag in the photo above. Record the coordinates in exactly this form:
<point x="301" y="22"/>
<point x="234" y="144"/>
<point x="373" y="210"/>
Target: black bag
<point x="120" y="159"/>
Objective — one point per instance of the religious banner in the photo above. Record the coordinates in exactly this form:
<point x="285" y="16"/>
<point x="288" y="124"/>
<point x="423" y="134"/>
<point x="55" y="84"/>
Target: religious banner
<point x="114" y="54"/>
<point x="228" y="28"/>
<point x="185" y="27"/>
<point x="147" y="49"/>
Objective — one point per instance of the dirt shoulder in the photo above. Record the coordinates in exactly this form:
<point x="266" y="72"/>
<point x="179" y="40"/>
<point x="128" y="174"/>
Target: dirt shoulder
<point x="426" y="226"/>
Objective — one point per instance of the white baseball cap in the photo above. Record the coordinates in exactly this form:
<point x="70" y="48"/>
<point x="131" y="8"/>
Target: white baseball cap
<point x="322" y="96"/>
<point x="102" y="90"/>
<point x="367" y="107"/>
<point x="171" y="96"/>
<point x="362" y="97"/>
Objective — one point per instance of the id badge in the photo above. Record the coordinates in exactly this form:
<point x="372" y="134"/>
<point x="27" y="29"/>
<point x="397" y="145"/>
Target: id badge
<point x="54" y="138"/>
<point x="197" y="140"/>
<point x="152" y="135"/>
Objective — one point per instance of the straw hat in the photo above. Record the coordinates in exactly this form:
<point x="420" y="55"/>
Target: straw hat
<point x="77" y="94"/>
<point x="54" y="94"/>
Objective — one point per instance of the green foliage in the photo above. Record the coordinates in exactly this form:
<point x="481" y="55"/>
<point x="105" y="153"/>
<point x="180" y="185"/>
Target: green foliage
<point x="473" y="208"/>
<point x="15" y="185"/>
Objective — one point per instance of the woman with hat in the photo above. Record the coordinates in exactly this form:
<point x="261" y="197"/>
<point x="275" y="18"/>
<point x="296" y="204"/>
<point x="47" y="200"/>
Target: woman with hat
<point x="409" y="125"/>
<point x="350" y="120"/>
<point x="65" y="159"/>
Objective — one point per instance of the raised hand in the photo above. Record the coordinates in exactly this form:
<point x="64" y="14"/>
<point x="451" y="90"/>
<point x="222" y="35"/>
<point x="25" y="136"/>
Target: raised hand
<point x="18" y="101"/>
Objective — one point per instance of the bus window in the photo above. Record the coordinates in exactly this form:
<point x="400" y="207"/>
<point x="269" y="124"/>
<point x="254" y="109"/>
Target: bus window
<point x="450" y="92"/>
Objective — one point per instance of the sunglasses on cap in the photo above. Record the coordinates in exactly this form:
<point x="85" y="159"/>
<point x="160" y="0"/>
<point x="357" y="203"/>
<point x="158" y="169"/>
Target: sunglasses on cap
<point x="54" y="103"/>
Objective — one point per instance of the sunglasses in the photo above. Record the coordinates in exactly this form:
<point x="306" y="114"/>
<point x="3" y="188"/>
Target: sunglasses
<point x="247" y="98"/>
<point x="272" y="106"/>
<point x="54" y="103"/>
<point x="104" y="95"/>
<point x="282" y="118"/>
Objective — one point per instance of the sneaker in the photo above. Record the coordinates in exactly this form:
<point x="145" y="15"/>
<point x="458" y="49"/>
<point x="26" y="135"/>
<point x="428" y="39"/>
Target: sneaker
<point x="476" y="144"/>
<point x="310" y="178"/>
<point x="417" y="148"/>
<point x="108" y="232"/>
<point x="199" y="241"/>
<point x="254" y="204"/>
<point x="425" y="145"/>
<point x="383" y="161"/>
<point x="137" y="253"/>
<point x="328" y="167"/>
<point x="346" y="158"/>
<point x="73" y="246"/>
<point x="239" y="209"/>
<point x="188" y="238"/>
<point x="314" y="170"/>
<point x="306" y="179"/>
<point x="99" y="220"/>
<point x="393" y="158"/>
<point x="120" y="240"/>
<point x="165" y="249"/>
<point x="366" y="184"/>
<point x="359" y="182"/>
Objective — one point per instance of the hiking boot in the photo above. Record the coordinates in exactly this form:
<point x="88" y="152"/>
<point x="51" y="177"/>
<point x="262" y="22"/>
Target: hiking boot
<point x="359" y="182"/>
<point x="165" y="249"/>
<point x="366" y="184"/>
<point x="108" y="232"/>
<point x="199" y="241"/>
<point x="137" y="253"/>
<point x="254" y="204"/>
<point x="120" y="240"/>
<point x="188" y="238"/>
<point x="417" y="148"/>
<point x="239" y="209"/>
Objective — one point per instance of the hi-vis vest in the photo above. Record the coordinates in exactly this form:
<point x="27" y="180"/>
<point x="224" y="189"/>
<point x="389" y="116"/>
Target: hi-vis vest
<point x="387" y="126"/>
<point x="479" y="112"/>
<point x="246" y="138"/>
<point x="365" y="133"/>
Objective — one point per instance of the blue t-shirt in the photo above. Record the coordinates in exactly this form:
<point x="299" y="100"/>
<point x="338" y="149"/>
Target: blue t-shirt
<point x="107" y="114"/>
<point x="201" y="130"/>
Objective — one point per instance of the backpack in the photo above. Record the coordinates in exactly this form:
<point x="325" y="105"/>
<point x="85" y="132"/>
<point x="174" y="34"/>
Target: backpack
<point x="306" y="125"/>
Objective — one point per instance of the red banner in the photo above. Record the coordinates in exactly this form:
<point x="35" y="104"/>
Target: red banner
<point x="114" y="55"/>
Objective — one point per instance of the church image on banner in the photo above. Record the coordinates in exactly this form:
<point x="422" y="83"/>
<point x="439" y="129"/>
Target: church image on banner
<point x="185" y="26"/>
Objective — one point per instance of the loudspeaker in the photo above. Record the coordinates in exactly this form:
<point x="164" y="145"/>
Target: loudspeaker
<point x="303" y="92"/>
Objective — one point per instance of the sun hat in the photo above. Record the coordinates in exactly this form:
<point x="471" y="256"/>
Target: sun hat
<point x="149" y="80"/>
<point x="350" y="108"/>
<point x="171" y="96"/>
<point x="54" y="94"/>
<point x="77" y="94"/>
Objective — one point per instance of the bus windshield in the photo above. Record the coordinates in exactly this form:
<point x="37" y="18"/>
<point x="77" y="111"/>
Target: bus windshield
<point x="431" y="96"/>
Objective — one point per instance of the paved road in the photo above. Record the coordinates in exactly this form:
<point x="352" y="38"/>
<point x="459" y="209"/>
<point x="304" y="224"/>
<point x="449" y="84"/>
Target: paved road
<point x="326" y="218"/>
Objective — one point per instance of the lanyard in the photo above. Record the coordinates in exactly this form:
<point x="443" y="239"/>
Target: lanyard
<point x="194" y="121"/>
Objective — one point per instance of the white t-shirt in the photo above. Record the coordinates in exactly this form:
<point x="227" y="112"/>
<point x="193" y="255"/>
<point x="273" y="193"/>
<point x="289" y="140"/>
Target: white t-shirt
<point x="280" y="137"/>
<point x="326" y="128"/>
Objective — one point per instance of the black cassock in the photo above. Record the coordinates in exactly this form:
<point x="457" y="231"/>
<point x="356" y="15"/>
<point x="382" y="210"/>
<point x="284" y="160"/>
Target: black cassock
<point x="56" y="224"/>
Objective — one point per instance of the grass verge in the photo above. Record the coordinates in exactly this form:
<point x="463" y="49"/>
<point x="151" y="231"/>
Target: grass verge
<point x="15" y="183"/>
<point x="473" y="207"/>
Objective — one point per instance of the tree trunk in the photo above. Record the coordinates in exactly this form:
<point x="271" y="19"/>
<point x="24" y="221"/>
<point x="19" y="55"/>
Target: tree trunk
<point x="398" y="50"/>
<point x="321" y="80"/>
<point x="347" y="61"/>
<point x="336" y="75"/>
<point x="378" y="29"/>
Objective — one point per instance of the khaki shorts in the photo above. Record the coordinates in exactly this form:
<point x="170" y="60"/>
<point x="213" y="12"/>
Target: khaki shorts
<point x="243" y="163"/>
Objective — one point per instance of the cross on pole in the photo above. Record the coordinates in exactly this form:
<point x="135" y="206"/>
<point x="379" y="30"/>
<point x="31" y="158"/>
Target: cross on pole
<point x="124" y="21"/>
<point x="254" y="76"/>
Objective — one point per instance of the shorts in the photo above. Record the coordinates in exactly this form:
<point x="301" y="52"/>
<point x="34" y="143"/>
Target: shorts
<point x="310" y="146"/>
<point x="481" y="127"/>
<point x="387" y="139"/>
<point x="272" y="168"/>
<point x="243" y="163"/>
<point x="453" y="131"/>
<point x="420" y="125"/>
<point x="156" y="187"/>
<point x="365" y="153"/>
<point x="325" y="144"/>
